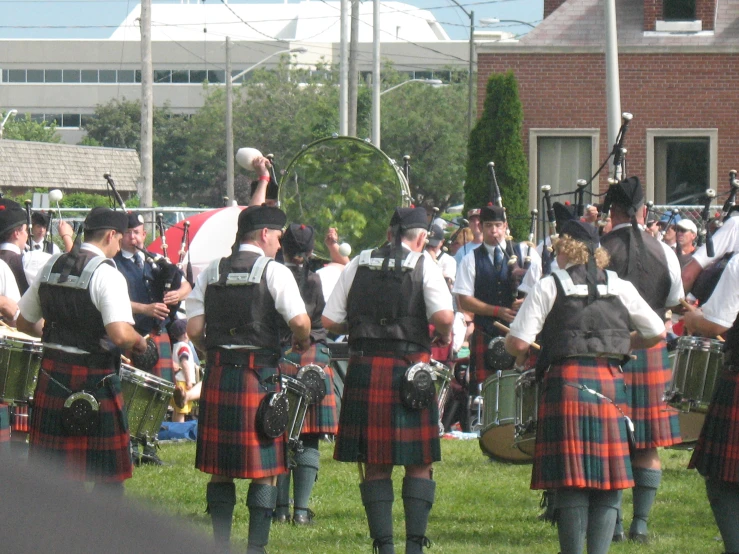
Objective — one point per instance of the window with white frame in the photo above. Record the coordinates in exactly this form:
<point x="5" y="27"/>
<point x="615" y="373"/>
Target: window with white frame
<point x="559" y="157"/>
<point x="681" y="164"/>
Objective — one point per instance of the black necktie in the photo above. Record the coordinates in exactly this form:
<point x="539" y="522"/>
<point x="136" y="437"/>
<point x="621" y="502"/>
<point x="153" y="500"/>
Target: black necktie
<point x="37" y="247"/>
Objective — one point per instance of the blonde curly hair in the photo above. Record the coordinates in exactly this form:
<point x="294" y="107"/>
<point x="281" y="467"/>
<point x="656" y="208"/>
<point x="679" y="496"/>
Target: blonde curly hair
<point x="577" y="253"/>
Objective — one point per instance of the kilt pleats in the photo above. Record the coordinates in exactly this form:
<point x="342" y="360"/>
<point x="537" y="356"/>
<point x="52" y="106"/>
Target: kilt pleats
<point x="228" y="442"/>
<point x="102" y="456"/>
<point x="717" y="453"/>
<point x="581" y="439"/>
<point x="647" y="377"/>
<point x="374" y="426"/>
<point x="4" y="422"/>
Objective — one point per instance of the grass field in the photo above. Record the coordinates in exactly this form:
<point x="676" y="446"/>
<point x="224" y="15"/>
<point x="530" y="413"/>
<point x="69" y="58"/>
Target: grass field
<point x="481" y="507"/>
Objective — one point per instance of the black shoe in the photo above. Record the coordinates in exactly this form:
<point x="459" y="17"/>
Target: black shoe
<point x="638" y="538"/>
<point x="281" y="518"/>
<point x="619" y="537"/>
<point x="304" y="519"/>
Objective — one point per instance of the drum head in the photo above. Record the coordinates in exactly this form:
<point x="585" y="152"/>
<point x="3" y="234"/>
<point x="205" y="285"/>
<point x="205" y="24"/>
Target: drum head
<point x="497" y="443"/>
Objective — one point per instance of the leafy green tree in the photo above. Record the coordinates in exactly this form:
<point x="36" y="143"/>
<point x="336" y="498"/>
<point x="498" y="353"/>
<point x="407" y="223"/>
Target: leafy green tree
<point x="497" y="138"/>
<point x="24" y="128"/>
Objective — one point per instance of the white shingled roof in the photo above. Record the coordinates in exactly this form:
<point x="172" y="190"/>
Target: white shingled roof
<point x="67" y="167"/>
<point x="306" y="20"/>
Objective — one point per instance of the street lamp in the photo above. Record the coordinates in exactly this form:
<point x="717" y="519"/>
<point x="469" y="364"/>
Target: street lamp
<point x="7" y="116"/>
<point x="376" y="120"/>
<point x="494" y="20"/>
<point x="471" y="84"/>
<point x="229" y="107"/>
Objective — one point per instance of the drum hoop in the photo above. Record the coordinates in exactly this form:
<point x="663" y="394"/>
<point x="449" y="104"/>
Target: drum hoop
<point x="292" y="384"/>
<point x="136" y="376"/>
<point x="699" y="343"/>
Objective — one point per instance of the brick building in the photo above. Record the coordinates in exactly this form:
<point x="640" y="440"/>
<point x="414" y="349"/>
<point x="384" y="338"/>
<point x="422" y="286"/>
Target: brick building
<point x="679" y="77"/>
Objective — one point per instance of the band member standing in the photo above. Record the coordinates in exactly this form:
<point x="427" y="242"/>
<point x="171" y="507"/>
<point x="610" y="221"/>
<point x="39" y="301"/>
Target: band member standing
<point x="87" y="321"/>
<point x="652" y="267"/>
<point x="13" y="239"/>
<point x="9" y="297"/>
<point x="150" y="307"/>
<point x="238" y="325"/>
<point x="297" y="247"/>
<point x="715" y="456"/>
<point x="39" y="228"/>
<point x="385" y="300"/>
<point x="486" y="285"/>
<point x="584" y="315"/>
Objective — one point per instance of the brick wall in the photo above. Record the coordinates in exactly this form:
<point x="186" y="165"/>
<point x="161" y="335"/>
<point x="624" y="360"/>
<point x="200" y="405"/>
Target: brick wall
<point x="652" y="13"/>
<point x="660" y="90"/>
<point x="705" y="10"/>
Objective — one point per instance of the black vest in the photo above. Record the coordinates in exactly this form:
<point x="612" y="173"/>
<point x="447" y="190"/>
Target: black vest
<point x="239" y="311"/>
<point x="15" y="262"/>
<point x="70" y="317"/>
<point x="386" y="304"/>
<point x="650" y="275"/>
<point x="575" y="328"/>
<point x="311" y="291"/>
<point x="497" y="288"/>
<point x="731" y="345"/>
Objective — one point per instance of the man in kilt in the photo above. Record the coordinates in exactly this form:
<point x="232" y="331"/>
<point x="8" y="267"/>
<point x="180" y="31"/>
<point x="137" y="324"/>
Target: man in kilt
<point x="385" y="300"/>
<point x="235" y="311"/>
<point x="487" y="286"/>
<point x="584" y="315"/>
<point x="653" y="268"/>
<point x="716" y="455"/>
<point x="297" y="247"/>
<point x="78" y="418"/>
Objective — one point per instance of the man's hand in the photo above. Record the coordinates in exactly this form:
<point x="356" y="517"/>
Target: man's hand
<point x="442" y="340"/>
<point x="300" y="346"/>
<point x="507" y="314"/>
<point x="64" y="228"/>
<point x="691" y="318"/>
<point x="141" y="346"/>
<point x="157" y="310"/>
<point x="261" y="165"/>
<point x="332" y="237"/>
<point x="171" y="298"/>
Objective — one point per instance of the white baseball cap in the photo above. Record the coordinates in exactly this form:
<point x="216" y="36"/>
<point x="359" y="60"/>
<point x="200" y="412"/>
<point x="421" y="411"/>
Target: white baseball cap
<point x="687" y="225"/>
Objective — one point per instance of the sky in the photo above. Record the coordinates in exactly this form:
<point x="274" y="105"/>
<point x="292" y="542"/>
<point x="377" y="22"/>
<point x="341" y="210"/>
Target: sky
<point x="98" y="18"/>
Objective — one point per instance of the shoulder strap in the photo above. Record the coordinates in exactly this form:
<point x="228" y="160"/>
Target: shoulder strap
<point x="408" y="264"/>
<point x="237" y="279"/>
<point x="73" y="282"/>
<point x="568" y="286"/>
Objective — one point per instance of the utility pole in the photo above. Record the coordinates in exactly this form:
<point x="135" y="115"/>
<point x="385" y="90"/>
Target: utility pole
<point x="229" y="126"/>
<point x="353" y="73"/>
<point x="147" y="108"/>
<point x="613" y="90"/>
<point x="376" y="73"/>
<point x="344" y="69"/>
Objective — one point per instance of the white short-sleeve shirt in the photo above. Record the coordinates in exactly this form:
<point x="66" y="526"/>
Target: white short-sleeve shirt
<point x="725" y="240"/>
<point x="723" y="305"/>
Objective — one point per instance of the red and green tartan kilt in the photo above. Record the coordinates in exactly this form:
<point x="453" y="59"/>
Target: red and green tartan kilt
<point x="478" y="346"/>
<point x="321" y="418"/>
<point x="647" y="378"/>
<point x="4" y="423"/>
<point x="581" y="440"/>
<point x="103" y="456"/>
<point x="164" y="367"/>
<point x="374" y="426"/>
<point x="717" y="453"/>
<point x="228" y="442"/>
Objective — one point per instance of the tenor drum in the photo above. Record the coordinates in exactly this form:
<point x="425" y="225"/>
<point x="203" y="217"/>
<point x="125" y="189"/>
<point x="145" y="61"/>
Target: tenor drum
<point x="499" y="418"/>
<point x="20" y="361"/>
<point x="697" y="367"/>
<point x="443" y="380"/>
<point x="527" y="410"/>
<point x="146" y="398"/>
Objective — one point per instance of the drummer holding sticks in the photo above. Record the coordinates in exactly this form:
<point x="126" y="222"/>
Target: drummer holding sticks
<point x="582" y="451"/>
<point x="78" y="417"/>
<point x="716" y="455"/>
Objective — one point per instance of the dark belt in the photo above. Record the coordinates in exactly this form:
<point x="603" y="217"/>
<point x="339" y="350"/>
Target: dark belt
<point x="259" y="357"/>
<point x="376" y="347"/>
<point x="102" y="360"/>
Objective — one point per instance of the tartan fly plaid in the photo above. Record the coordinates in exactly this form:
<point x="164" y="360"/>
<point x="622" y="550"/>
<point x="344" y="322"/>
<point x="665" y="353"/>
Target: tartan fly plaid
<point x="321" y="418"/>
<point x="228" y="442"/>
<point x="4" y="423"/>
<point x="103" y="456"/>
<point x="374" y="426"/>
<point x="647" y="377"/>
<point x="164" y="367"/>
<point x="581" y="440"/>
<point x="717" y="453"/>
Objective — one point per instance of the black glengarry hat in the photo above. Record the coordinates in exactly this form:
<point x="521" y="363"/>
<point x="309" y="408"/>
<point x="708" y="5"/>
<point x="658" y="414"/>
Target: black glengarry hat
<point x="628" y="194"/>
<point x="299" y="238"/>
<point x="105" y="218"/>
<point x="492" y="213"/>
<point x="12" y="215"/>
<point x="409" y="218"/>
<point x="582" y="232"/>
<point x="261" y="217"/>
<point x="135" y="219"/>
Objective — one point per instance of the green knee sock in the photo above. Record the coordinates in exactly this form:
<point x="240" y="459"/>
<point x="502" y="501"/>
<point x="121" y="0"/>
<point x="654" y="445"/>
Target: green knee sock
<point x="418" y="499"/>
<point x="221" y="498"/>
<point x="647" y="482"/>
<point x="305" y="475"/>
<point x="261" y="501"/>
<point x="602" y="520"/>
<point x="283" y="495"/>
<point x="619" y="527"/>
<point x="377" y="497"/>
<point x="572" y="519"/>
<point x="724" y="499"/>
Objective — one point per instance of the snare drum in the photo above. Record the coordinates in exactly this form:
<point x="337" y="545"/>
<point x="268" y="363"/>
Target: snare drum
<point x="297" y="401"/>
<point x="697" y="367"/>
<point x="20" y="361"/>
<point x="499" y="418"/>
<point x="146" y="398"/>
<point x="527" y="410"/>
<point x="443" y="379"/>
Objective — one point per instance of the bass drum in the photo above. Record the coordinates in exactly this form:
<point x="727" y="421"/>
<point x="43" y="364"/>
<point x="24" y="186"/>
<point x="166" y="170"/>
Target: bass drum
<point x="347" y="183"/>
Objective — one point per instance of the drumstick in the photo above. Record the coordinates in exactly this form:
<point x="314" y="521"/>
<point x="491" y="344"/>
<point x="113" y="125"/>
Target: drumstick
<point x="125" y="360"/>
<point x="692" y="308"/>
<point x="506" y="330"/>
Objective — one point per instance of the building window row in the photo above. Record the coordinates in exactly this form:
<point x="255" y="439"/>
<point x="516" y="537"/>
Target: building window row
<point x="112" y="76"/>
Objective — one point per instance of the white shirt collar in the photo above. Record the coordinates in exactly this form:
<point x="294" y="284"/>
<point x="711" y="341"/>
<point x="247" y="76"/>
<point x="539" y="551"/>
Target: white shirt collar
<point x="628" y="224"/>
<point x="10" y="246"/>
<point x="130" y="255"/>
<point x="92" y="248"/>
<point x="491" y="249"/>
<point x="251" y="248"/>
